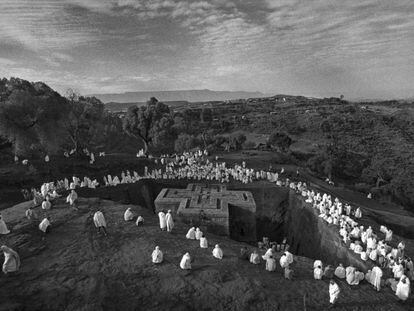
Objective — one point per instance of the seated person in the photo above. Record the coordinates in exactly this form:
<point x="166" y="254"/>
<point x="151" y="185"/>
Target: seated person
<point x="191" y="234"/>
<point x="288" y="273"/>
<point x="140" y="221"/>
<point x="255" y="258"/>
<point x="340" y="272"/>
<point x="128" y="215"/>
<point x="46" y="205"/>
<point x="157" y="255"/>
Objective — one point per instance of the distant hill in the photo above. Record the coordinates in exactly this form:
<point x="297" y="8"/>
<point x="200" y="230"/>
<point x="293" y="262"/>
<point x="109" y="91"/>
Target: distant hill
<point x="183" y="95"/>
<point x="117" y="107"/>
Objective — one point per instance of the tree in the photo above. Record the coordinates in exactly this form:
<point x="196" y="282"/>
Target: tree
<point x="28" y="119"/>
<point x="279" y="140"/>
<point x="151" y="123"/>
<point x="185" y="142"/>
<point x="236" y="141"/>
<point x="206" y="115"/>
<point x="84" y="122"/>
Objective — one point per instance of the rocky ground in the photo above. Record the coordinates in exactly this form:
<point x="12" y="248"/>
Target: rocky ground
<point x="75" y="268"/>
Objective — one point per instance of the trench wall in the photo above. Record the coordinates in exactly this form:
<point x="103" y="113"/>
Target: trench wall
<point x="310" y="236"/>
<point x="279" y="213"/>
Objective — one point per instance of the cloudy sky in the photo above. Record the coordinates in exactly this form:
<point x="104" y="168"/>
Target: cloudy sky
<point x="359" y="48"/>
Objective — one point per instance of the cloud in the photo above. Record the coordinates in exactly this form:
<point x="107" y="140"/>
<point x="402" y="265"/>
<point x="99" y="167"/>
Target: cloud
<point x="311" y="46"/>
<point x="6" y="62"/>
<point x="42" y="25"/>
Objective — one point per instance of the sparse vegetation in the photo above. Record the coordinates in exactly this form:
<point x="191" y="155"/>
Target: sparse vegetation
<point x="367" y="146"/>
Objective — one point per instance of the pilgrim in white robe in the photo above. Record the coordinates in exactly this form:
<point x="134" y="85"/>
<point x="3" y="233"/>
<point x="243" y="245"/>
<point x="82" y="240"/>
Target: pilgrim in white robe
<point x="71" y="198"/>
<point x="203" y="242"/>
<point x="350" y="275"/>
<point x="255" y="258"/>
<point x="340" y="272"/>
<point x="317" y="263"/>
<point x="3" y="226"/>
<point x="11" y="260"/>
<point x="140" y="221"/>
<point x="376" y="275"/>
<point x="44" y="225"/>
<point x="289" y="257"/>
<point x="317" y="273"/>
<point x="157" y="255"/>
<point x="198" y="234"/>
<point x="388" y="236"/>
<point x="99" y="219"/>
<point x="373" y="255"/>
<point x="268" y="254"/>
<point x="128" y="215"/>
<point x="163" y="221"/>
<point x="283" y="261"/>
<point x="191" y="234"/>
<point x="46" y="205"/>
<point x="217" y="252"/>
<point x="170" y="221"/>
<point x="403" y="289"/>
<point x="185" y="263"/>
<point x="333" y="292"/>
<point x="398" y="271"/>
<point x="270" y="264"/>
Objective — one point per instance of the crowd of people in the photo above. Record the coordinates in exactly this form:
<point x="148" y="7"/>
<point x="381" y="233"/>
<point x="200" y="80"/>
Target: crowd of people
<point x="364" y="242"/>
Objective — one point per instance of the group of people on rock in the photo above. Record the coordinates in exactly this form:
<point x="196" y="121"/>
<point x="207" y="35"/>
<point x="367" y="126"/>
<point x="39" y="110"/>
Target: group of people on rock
<point x="195" y="166"/>
<point x="365" y="244"/>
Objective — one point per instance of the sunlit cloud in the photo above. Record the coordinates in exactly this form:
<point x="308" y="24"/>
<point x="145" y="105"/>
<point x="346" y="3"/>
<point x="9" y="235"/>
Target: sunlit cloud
<point x="360" y="48"/>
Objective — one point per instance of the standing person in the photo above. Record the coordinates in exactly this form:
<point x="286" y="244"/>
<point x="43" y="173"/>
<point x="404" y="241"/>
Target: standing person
<point x="163" y="221"/>
<point x="317" y="273"/>
<point x="99" y="221"/>
<point x="289" y="256"/>
<point x="11" y="260"/>
<point x="376" y="275"/>
<point x="270" y="263"/>
<point x="72" y="198"/>
<point x="170" y="221"/>
<point x="333" y="293"/>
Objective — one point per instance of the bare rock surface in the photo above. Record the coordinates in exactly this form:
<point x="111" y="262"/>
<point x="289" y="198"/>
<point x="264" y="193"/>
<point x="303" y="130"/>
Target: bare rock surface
<point x="75" y="268"/>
